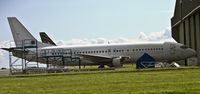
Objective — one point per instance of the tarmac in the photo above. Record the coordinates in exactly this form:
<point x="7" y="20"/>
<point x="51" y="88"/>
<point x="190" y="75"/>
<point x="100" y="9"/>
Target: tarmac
<point x="4" y="72"/>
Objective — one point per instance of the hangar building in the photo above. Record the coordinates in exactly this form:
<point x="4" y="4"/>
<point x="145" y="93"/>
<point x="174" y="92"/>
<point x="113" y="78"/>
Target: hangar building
<point x="186" y="24"/>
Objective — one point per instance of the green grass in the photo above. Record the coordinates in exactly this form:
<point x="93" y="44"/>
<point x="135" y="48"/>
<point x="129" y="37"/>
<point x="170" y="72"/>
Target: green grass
<point x="128" y="80"/>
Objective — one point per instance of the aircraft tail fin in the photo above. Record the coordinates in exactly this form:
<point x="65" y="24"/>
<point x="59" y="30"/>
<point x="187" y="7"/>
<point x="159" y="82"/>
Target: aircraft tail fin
<point x="21" y="35"/>
<point x="45" y="39"/>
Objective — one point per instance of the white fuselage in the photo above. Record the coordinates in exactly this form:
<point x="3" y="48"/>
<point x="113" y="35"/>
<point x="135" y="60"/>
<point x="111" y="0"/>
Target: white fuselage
<point x="163" y="52"/>
<point x="112" y="55"/>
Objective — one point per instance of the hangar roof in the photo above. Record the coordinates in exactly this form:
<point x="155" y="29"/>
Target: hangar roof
<point x="183" y="9"/>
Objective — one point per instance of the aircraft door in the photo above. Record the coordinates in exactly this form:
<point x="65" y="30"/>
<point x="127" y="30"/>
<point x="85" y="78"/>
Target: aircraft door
<point x="110" y="53"/>
<point x="114" y="52"/>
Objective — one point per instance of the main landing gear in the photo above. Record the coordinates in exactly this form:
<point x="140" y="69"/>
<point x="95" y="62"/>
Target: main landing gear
<point x="101" y="66"/>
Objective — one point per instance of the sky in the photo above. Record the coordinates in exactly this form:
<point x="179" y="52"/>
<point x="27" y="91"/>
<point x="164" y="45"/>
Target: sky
<point x="83" y="22"/>
<point x="87" y="19"/>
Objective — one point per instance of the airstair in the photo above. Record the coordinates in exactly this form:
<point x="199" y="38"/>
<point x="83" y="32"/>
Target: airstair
<point x="48" y="56"/>
<point x="17" y="67"/>
<point x="59" y="57"/>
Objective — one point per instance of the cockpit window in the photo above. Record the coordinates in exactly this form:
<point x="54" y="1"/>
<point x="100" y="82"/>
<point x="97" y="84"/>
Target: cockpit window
<point x="184" y="47"/>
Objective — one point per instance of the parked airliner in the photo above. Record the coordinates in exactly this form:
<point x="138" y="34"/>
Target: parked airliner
<point x="113" y="55"/>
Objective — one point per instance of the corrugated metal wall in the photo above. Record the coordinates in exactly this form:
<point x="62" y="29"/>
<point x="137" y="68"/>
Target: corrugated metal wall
<point x="186" y="24"/>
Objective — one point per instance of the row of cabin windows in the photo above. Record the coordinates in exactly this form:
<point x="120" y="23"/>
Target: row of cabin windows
<point x="60" y="53"/>
<point x="108" y="51"/>
<point x="92" y="52"/>
<point x="148" y="49"/>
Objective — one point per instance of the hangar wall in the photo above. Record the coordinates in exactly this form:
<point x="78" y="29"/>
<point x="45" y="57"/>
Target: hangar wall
<point x="186" y="24"/>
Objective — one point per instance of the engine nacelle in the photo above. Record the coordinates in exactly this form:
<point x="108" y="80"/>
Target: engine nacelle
<point x="117" y="62"/>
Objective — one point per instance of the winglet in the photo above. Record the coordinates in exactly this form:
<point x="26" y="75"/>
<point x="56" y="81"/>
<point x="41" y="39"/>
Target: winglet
<point x="45" y="39"/>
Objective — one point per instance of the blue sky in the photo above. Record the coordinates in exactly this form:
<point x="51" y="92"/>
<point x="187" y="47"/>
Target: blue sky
<point x="87" y="19"/>
<point x="84" y="22"/>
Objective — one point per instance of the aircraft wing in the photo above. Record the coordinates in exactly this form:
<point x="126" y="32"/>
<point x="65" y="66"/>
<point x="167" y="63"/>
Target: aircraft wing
<point x="98" y="59"/>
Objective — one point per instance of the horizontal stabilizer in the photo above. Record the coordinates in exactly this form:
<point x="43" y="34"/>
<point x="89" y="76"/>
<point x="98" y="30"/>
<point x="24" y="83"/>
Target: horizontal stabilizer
<point x="15" y="50"/>
<point x="7" y="49"/>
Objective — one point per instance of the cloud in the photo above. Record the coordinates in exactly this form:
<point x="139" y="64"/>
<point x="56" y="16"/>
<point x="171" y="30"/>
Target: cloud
<point x="4" y="54"/>
<point x="162" y="36"/>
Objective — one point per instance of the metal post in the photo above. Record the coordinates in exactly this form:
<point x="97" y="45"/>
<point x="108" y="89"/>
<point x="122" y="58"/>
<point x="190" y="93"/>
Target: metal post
<point x="37" y="53"/>
<point x="47" y="60"/>
<point x="23" y="56"/>
<point x="10" y="62"/>
<point x="181" y="3"/>
<point x="63" y="61"/>
<point x="79" y="63"/>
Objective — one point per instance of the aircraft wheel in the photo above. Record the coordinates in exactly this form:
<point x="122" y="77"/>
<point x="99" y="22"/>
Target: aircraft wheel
<point x="101" y="66"/>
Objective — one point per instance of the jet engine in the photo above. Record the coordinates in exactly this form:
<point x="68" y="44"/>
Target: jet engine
<point x="117" y="62"/>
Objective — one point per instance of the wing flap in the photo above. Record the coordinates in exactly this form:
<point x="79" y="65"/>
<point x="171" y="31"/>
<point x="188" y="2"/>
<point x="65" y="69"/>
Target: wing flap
<point x="98" y="59"/>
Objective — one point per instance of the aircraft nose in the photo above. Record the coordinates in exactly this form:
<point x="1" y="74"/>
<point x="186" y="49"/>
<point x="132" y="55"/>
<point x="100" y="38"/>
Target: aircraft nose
<point x="192" y="52"/>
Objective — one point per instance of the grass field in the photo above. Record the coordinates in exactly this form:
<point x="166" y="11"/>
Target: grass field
<point x="184" y="80"/>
